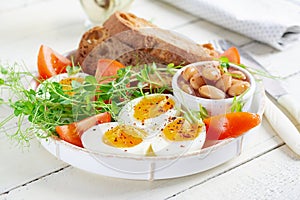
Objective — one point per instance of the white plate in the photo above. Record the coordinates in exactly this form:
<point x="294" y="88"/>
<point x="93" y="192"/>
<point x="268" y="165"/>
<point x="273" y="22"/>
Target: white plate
<point x="153" y="168"/>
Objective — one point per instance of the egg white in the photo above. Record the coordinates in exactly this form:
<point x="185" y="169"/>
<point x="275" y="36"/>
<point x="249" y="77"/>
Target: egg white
<point x="162" y="146"/>
<point x="62" y="76"/>
<point x="152" y="125"/>
<point x="92" y="140"/>
<point x="57" y="78"/>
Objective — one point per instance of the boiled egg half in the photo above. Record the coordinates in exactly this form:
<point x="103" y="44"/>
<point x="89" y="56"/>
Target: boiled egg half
<point x="147" y="126"/>
<point x="150" y="112"/>
<point x="115" y="138"/>
<point x="65" y="80"/>
<point x="179" y="136"/>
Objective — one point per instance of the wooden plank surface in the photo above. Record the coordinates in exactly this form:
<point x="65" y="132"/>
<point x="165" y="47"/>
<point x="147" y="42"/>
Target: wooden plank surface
<point x="259" y="142"/>
<point x="22" y="165"/>
<point x="266" y="168"/>
<point x="272" y="176"/>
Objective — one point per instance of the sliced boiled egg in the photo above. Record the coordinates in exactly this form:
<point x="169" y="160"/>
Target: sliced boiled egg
<point x="179" y="136"/>
<point x="120" y="139"/>
<point x="65" y="80"/>
<point x="115" y="138"/>
<point x="149" y="113"/>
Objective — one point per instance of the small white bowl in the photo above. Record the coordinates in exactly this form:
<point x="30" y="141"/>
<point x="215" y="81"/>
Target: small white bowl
<point x="213" y="106"/>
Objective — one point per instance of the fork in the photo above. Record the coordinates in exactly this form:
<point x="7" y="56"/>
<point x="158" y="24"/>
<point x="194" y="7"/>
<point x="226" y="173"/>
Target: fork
<point x="216" y="44"/>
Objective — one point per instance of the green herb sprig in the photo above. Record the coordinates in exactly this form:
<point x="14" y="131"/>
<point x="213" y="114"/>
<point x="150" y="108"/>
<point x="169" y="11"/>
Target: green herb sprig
<point x="238" y="102"/>
<point x="52" y="105"/>
<point x="225" y="64"/>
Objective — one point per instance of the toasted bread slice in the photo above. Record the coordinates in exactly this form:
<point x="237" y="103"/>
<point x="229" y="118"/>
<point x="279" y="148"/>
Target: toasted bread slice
<point x="133" y="41"/>
<point x="89" y="40"/>
<point x="122" y="21"/>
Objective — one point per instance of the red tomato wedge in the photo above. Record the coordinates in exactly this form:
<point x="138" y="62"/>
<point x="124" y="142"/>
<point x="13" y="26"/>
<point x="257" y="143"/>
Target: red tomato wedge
<point x="230" y="125"/>
<point x="107" y="67"/>
<point x="51" y="63"/>
<point x="233" y="55"/>
<point x="72" y="132"/>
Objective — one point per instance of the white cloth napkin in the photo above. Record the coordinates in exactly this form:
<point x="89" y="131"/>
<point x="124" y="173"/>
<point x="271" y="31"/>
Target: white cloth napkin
<point x="274" y="22"/>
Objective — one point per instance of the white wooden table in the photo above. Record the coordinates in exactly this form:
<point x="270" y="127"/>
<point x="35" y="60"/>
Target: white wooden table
<point x="267" y="168"/>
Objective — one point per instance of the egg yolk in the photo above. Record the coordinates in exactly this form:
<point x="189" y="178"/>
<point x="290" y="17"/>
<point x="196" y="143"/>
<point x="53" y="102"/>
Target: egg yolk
<point x="152" y="106"/>
<point x="67" y="84"/>
<point x="123" y="136"/>
<point x="180" y="130"/>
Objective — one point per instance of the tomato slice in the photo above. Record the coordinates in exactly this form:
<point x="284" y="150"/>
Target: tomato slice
<point x="107" y="67"/>
<point x="230" y="125"/>
<point x="72" y="132"/>
<point x="233" y="55"/>
<point x="51" y="63"/>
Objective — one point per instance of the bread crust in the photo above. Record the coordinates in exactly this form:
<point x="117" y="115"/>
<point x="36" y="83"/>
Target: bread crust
<point x="89" y="40"/>
<point x="133" y="41"/>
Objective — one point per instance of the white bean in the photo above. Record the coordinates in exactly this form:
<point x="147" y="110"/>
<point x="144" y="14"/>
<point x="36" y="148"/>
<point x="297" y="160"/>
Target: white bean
<point x="188" y="73"/>
<point x="234" y="81"/>
<point x="224" y="83"/>
<point x="238" y="88"/>
<point x="211" y="92"/>
<point x="211" y="73"/>
<point x="238" y="75"/>
<point x="197" y="81"/>
<point x="187" y="88"/>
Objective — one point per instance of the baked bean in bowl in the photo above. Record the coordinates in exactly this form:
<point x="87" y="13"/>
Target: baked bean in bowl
<point x="214" y="87"/>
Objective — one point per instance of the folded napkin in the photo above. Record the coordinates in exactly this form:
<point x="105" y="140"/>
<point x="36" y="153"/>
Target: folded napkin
<point x="274" y="22"/>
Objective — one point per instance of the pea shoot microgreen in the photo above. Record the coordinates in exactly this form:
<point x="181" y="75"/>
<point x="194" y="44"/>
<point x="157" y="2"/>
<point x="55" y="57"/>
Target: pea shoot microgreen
<point x="225" y="64"/>
<point x="238" y="102"/>
<point x="203" y="112"/>
<point x="52" y="105"/>
<point x="71" y="70"/>
<point x="233" y="75"/>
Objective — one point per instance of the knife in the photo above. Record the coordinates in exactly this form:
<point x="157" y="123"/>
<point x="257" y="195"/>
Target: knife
<point x="277" y="119"/>
<point x="282" y="126"/>
<point x="273" y="86"/>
